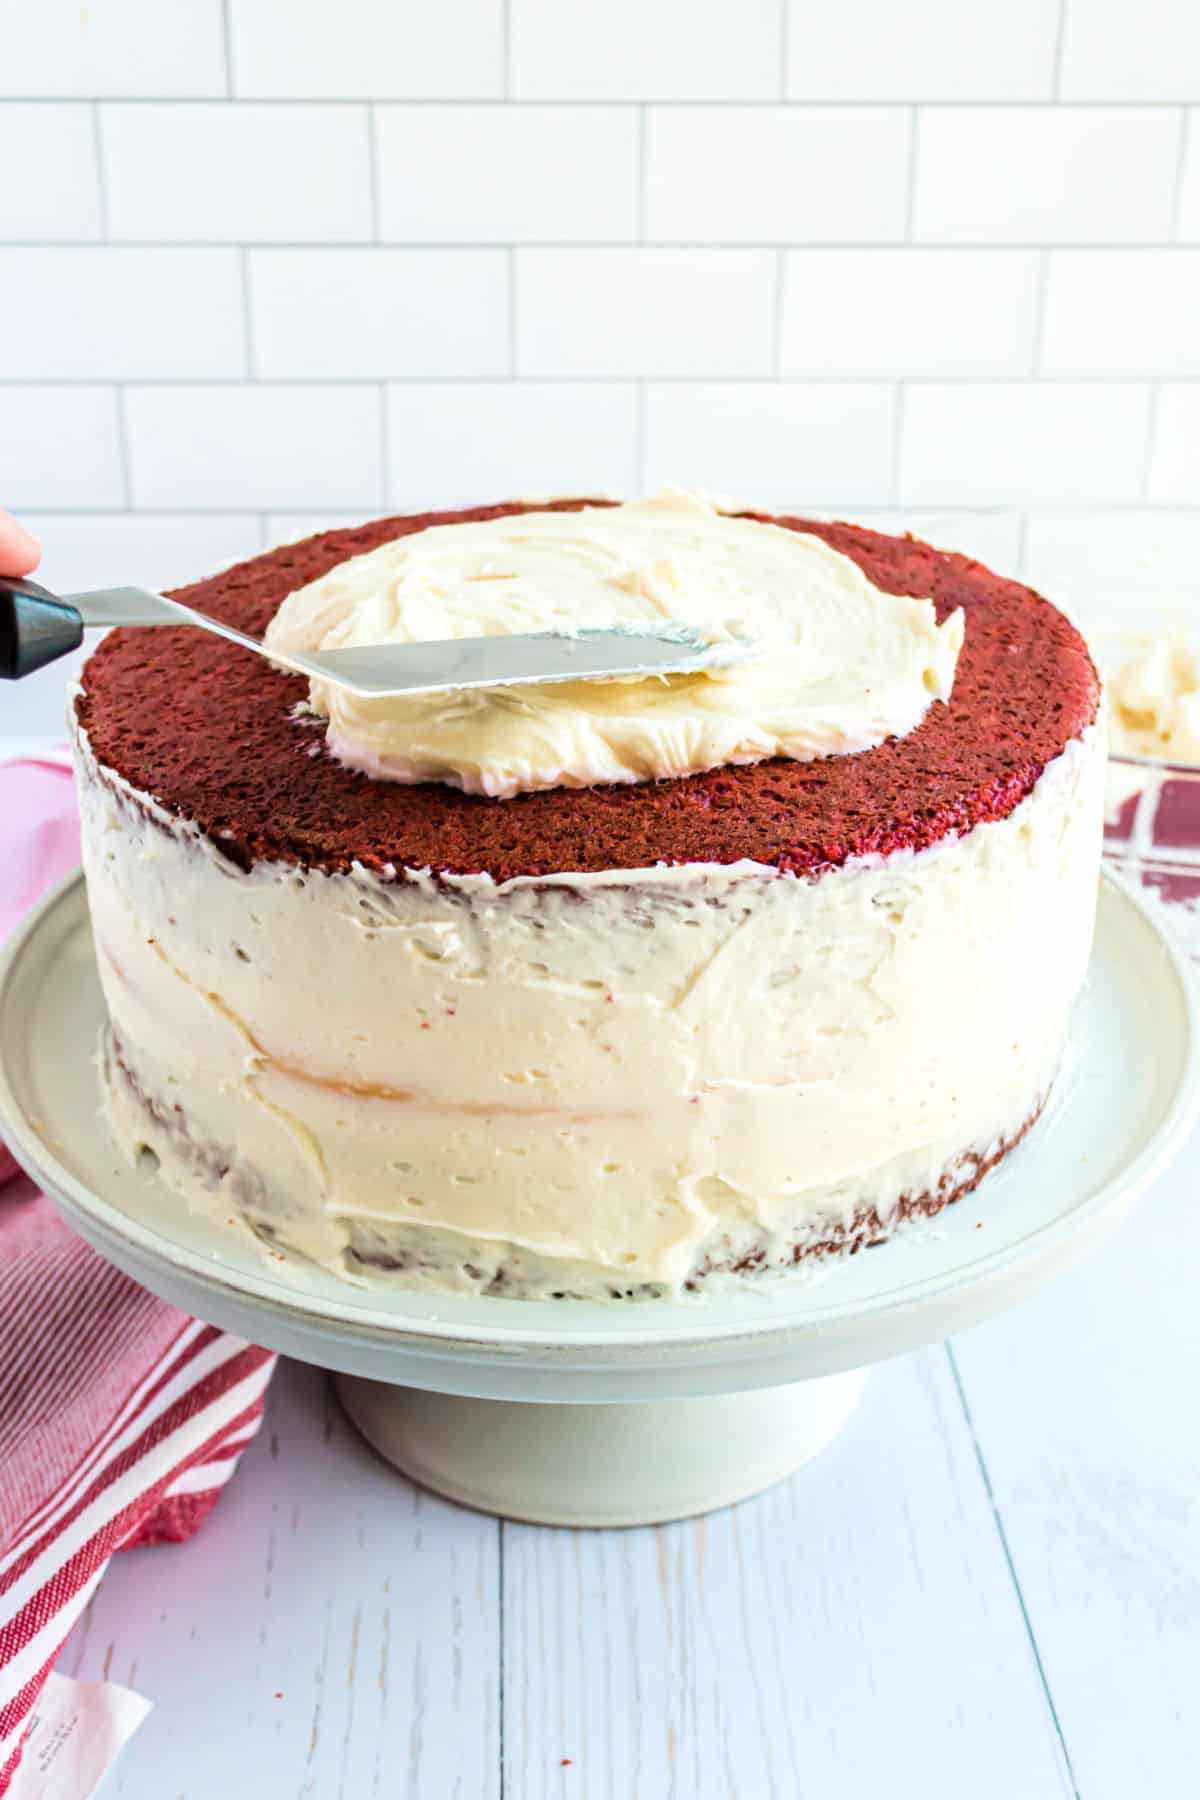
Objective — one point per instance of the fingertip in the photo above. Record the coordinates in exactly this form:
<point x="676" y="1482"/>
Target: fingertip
<point x="20" y="551"/>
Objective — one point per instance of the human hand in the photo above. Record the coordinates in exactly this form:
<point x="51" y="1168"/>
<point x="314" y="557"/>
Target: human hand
<point x="20" y="551"/>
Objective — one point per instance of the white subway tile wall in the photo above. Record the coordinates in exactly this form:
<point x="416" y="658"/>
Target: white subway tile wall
<point x="508" y="174"/>
<point x="1115" y="51"/>
<point x="1113" y="554"/>
<point x="828" y="441"/>
<point x="58" y="47"/>
<point x="263" y="174"/>
<point x="1037" y="174"/>
<point x="1024" y="443"/>
<point x="1189" y="187"/>
<point x="777" y="174"/>
<point x="366" y="313"/>
<point x="1122" y="312"/>
<point x="457" y="443"/>
<point x="923" y="50"/>
<point x="56" y="193"/>
<point x="268" y="266"/>
<point x="365" y="49"/>
<point x="104" y="314"/>
<point x="1175" y="450"/>
<point x="61" y="446"/>
<point x="905" y="313"/>
<point x="256" y="446"/>
<point x="646" y="49"/>
<point x="645" y="312"/>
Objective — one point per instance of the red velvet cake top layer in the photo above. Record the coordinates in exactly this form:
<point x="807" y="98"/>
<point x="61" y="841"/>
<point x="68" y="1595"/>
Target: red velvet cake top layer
<point x="205" y="728"/>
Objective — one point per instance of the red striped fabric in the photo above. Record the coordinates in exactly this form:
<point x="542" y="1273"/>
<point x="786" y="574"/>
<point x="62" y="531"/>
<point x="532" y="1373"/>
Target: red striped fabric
<point x="120" y="1419"/>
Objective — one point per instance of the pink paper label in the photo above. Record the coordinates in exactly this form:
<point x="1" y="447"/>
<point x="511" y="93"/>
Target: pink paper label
<point x="78" y="1730"/>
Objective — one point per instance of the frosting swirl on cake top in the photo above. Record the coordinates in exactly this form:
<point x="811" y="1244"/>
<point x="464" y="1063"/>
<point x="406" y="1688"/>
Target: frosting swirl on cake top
<point x="841" y="665"/>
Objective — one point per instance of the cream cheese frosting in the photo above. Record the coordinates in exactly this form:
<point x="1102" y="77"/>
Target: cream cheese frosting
<point x="839" y="666"/>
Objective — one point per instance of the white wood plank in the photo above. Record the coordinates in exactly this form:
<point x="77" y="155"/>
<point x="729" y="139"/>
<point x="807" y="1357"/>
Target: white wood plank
<point x="854" y="1632"/>
<point x="1084" y="1404"/>
<point x="330" y="1632"/>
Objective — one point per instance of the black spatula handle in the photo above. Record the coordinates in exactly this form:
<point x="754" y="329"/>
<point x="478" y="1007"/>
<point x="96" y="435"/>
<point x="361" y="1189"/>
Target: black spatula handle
<point x="35" y="627"/>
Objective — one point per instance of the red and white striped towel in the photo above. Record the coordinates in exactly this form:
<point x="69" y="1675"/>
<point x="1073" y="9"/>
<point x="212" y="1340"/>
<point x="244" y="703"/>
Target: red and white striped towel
<point x="120" y="1419"/>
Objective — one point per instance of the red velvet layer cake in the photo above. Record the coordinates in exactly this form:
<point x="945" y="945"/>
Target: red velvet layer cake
<point x="598" y="1040"/>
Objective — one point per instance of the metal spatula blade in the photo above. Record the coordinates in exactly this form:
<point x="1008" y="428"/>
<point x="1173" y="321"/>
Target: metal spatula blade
<point x="37" y="626"/>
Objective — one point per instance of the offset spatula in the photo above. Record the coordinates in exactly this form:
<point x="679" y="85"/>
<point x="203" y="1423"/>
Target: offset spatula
<point x="36" y="627"/>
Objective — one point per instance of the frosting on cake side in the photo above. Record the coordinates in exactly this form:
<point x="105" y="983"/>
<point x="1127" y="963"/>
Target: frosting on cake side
<point x="618" y="1081"/>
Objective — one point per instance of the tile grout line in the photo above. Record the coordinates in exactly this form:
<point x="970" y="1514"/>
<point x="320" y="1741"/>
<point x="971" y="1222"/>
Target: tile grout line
<point x="1060" y="37"/>
<point x="507" y="47"/>
<point x="102" y="199"/>
<point x="797" y="104"/>
<point x="643" y="180"/>
<point x="387" y="475"/>
<point x="582" y="378"/>
<point x="777" y="314"/>
<point x="1042" y="309"/>
<point x="910" y="197"/>
<point x="639" y="430"/>
<point x="1186" y="127"/>
<point x="227" y="34"/>
<point x="120" y="404"/>
<point x="1153" y="413"/>
<point x="898" y="423"/>
<point x="374" y="171"/>
<point x="785" y="23"/>
<point x="247" y="317"/>
<point x="123" y="453"/>
<point x="997" y="1520"/>
<point x="1137" y="248"/>
<point x="514" y="339"/>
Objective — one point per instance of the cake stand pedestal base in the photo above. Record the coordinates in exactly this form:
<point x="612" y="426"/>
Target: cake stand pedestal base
<point x="639" y="1463"/>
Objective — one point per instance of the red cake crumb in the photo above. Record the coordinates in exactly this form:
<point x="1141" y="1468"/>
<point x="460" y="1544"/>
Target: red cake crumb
<point x="206" y="730"/>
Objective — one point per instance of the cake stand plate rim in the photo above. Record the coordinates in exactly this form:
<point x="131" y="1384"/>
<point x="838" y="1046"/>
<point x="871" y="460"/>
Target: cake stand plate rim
<point x="703" y="1348"/>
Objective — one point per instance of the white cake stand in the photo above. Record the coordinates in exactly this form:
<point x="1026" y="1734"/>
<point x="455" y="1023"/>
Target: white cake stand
<point x="649" y="1411"/>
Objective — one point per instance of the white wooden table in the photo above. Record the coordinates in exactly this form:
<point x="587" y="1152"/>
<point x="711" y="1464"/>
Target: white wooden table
<point x="987" y="1589"/>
